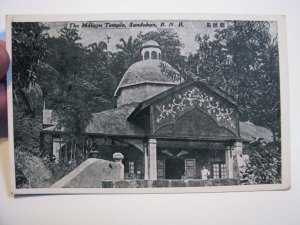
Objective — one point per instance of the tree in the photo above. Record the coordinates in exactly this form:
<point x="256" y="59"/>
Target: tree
<point x="28" y="50"/>
<point x="130" y="51"/>
<point x="70" y="95"/>
<point x="264" y="166"/>
<point x="100" y="76"/>
<point x="242" y="60"/>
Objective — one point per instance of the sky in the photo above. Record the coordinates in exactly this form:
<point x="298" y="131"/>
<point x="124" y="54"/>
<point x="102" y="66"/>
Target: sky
<point x="94" y="32"/>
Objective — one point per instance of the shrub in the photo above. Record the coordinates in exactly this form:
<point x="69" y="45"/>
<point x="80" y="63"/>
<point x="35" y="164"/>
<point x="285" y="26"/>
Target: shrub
<point x="265" y="164"/>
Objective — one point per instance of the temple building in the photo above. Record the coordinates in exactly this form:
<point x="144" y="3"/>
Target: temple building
<point x="165" y="129"/>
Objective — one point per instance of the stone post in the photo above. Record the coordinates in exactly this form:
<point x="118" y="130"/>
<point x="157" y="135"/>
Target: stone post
<point x="118" y="157"/>
<point x="152" y="159"/>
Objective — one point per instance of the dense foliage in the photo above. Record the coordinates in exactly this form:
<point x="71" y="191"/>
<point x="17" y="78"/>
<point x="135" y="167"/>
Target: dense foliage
<point x="243" y="61"/>
<point x="265" y="164"/>
<point x="29" y="47"/>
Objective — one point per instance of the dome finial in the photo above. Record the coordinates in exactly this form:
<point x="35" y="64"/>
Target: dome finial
<point x="151" y="50"/>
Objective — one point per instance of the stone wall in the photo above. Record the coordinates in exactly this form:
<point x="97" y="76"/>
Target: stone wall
<point x="90" y="174"/>
<point x="167" y="183"/>
<point x="99" y="173"/>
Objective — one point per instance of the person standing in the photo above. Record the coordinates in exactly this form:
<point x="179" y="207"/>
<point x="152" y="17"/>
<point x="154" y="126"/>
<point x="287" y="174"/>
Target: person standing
<point x="205" y="173"/>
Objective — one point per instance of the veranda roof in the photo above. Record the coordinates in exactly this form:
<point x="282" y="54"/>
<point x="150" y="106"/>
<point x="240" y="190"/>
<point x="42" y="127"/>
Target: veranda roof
<point x="251" y="132"/>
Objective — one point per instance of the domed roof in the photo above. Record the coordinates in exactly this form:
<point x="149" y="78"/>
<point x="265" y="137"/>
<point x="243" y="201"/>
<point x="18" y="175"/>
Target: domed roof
<point x="147" y="71"/>
<point x="150" y="43"/>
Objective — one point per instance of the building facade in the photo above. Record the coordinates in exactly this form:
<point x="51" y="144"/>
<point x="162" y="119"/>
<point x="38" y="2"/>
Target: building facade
<point x="165" y="129"/>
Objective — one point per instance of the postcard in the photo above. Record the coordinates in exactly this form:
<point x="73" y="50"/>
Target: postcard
<point x="148" y="103"/>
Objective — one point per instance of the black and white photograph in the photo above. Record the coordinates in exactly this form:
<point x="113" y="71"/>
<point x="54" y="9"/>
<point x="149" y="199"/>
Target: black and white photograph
<point x="147" y="105"/>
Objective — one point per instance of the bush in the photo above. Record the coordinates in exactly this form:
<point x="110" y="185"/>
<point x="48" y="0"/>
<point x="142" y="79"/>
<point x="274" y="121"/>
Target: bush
<point x="60" y="169"/>
<point x="265" y="164"/>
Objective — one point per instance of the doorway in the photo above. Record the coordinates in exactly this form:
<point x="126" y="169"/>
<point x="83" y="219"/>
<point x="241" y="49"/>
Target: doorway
<point x="174" y="168"/>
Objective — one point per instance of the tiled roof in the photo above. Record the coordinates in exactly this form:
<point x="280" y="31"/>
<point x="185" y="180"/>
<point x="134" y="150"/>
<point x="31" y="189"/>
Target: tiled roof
<point x="251" y="132"/>
<point x="114" y="122"/>
<point x="110" y="122"/>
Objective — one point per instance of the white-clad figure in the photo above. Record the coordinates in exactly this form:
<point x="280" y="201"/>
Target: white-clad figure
<point x="205" y="173"/>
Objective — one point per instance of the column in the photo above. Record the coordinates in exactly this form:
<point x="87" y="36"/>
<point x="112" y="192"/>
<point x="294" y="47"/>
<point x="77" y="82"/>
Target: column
<point x="229" y="162"/>
<point x="56" y="149"/>
<point x="152" y="159"/>
<point x="236" y="154"/>
<point x="146" y="172"/>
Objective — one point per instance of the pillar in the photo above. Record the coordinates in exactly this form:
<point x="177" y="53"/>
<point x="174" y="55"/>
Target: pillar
<point x="236" y="154"/>
<point x="56" y="149"/>
<point x="146" y="160"/>
<point x="229" y="162"/>
<point x="152" y="159"/>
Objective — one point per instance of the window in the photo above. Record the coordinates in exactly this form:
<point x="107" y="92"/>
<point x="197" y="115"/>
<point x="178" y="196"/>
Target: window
<point x="223" y="171"/>
<point x="215" y="170"/>
<point x="153" y="55"/>
<point x="219" y="170"/>
<point x="131" y="167"/>
<point x="190" y="162"/>
<point x="146" y="55"/>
